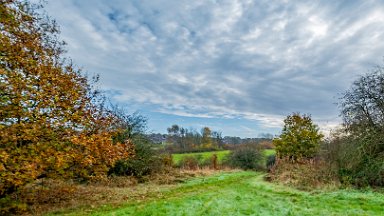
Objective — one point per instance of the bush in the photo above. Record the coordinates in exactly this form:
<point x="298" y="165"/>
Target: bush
<point x="303" y="174"/>
<point x="246" y="157"/>
<point x="271" y="160"/>
<point x="355" y="160"/>
<point x="10" y="206"/>
<point x="190" y="162"/>
<point x="145" y="162"/>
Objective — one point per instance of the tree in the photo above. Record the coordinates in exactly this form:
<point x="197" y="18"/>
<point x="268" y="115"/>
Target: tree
<point x="363" y="105"/>
<point x="300" y="138"/>
<point x="362" y="109"/>
<point x="217" y="139"/>
<point x="128" y="127"/>
<point x="206" y="137"/>
<point x="52" y="122"/>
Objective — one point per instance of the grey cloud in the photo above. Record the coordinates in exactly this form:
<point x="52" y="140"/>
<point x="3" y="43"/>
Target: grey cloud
<point x="228" y="58"/>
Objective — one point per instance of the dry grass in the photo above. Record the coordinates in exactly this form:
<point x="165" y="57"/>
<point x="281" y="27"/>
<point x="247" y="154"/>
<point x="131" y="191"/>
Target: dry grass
<point x="45" y="196"/>
<point x="304" y="174"/>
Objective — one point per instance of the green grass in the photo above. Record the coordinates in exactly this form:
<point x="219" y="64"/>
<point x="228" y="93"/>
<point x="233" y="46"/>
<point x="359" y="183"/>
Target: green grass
<point x="204" y="155"/>
<point x="268" y="152"/>
<point x="246" y="193"/>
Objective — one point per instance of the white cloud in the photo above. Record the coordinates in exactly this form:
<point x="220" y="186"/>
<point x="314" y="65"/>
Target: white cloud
<point x="258" y="60"/>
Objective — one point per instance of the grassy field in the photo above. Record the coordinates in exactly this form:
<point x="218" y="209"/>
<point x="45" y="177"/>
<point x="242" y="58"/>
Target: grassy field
<point x="243" y="193"/>
<point x="268" y="152"/>
<point x="206" y="155"/>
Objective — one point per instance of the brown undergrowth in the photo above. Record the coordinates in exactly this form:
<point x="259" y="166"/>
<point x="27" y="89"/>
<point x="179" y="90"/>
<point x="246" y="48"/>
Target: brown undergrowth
<point x="304" y="174"/>
<point x="48" y="195"/>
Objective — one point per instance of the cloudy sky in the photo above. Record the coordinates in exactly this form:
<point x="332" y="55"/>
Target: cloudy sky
<point x="238" y="66"/>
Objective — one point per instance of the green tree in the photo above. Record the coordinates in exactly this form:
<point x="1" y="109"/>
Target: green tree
<point x="300" y="138"/>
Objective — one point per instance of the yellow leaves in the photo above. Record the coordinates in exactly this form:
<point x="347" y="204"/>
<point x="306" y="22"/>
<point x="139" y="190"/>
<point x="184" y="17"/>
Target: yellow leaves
<point x="50" y="124"/>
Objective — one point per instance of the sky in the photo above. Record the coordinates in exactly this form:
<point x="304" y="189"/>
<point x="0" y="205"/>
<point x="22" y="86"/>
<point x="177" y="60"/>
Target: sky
<point x="236" y="66"/>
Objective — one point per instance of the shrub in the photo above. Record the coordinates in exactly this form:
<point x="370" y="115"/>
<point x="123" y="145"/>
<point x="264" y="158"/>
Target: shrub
<point x="356" y="164"/>
<point x="189" y="162"/>
<point x="9" y="206"/>
<point x="271" y="160"/>
<point x="246" y="157"/>
<point x="145" y="162"/>
<point x="267" y="144"/>
<point x="303" y="174"/>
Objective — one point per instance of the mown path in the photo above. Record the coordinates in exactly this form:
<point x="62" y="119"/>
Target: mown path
<point x="246" y="193"/>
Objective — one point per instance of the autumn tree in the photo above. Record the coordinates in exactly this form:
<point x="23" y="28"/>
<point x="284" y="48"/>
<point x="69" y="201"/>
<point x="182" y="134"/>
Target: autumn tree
<point x="51" y="120"/>
<point x="300" y="137"/>
<point x="206" y="134"/>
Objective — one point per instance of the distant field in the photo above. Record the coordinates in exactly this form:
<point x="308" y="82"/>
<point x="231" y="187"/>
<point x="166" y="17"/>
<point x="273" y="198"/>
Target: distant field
<point x="268" y="152"/>
<point x="206" y="155"/>
<point x="242" y="193"/>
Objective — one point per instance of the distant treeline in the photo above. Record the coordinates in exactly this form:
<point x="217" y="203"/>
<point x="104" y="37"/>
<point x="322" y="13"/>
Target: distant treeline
<point x="180" y="139"/>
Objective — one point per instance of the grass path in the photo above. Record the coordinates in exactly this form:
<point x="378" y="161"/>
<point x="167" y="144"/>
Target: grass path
<point x="246" y="193"/>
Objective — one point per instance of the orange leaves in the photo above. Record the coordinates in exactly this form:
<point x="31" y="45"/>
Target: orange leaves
<point x="51" y="122"/>
<point x="101" y="149"/>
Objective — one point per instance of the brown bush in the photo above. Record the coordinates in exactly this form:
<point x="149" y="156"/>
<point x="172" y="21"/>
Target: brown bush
<point x="189" y="162"/>
<point x="304" y="174"/>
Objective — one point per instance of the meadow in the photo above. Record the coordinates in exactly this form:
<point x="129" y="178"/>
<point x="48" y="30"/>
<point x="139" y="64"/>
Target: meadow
<point x="203" y="155"/>
<point x="239" y="193"/>
<point x="207" y="155"/>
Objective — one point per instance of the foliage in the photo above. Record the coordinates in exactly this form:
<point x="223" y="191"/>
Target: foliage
<point x="267" y="144"/>
<point x="206" y="134"/>
<point x="190" y="162"/>
<point x="144" y="162"/>
<point x="305" y="174"/>
<point x="300" y="138"/>
<point x="247" y="157"/>
<point x="52" y="122"/>
<point x="182" y="140"/>
<point x="271" y="160"/>
<point x="128" y="127"/>
<point x="362" y="108"/>
<point x="355" y="165"/>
